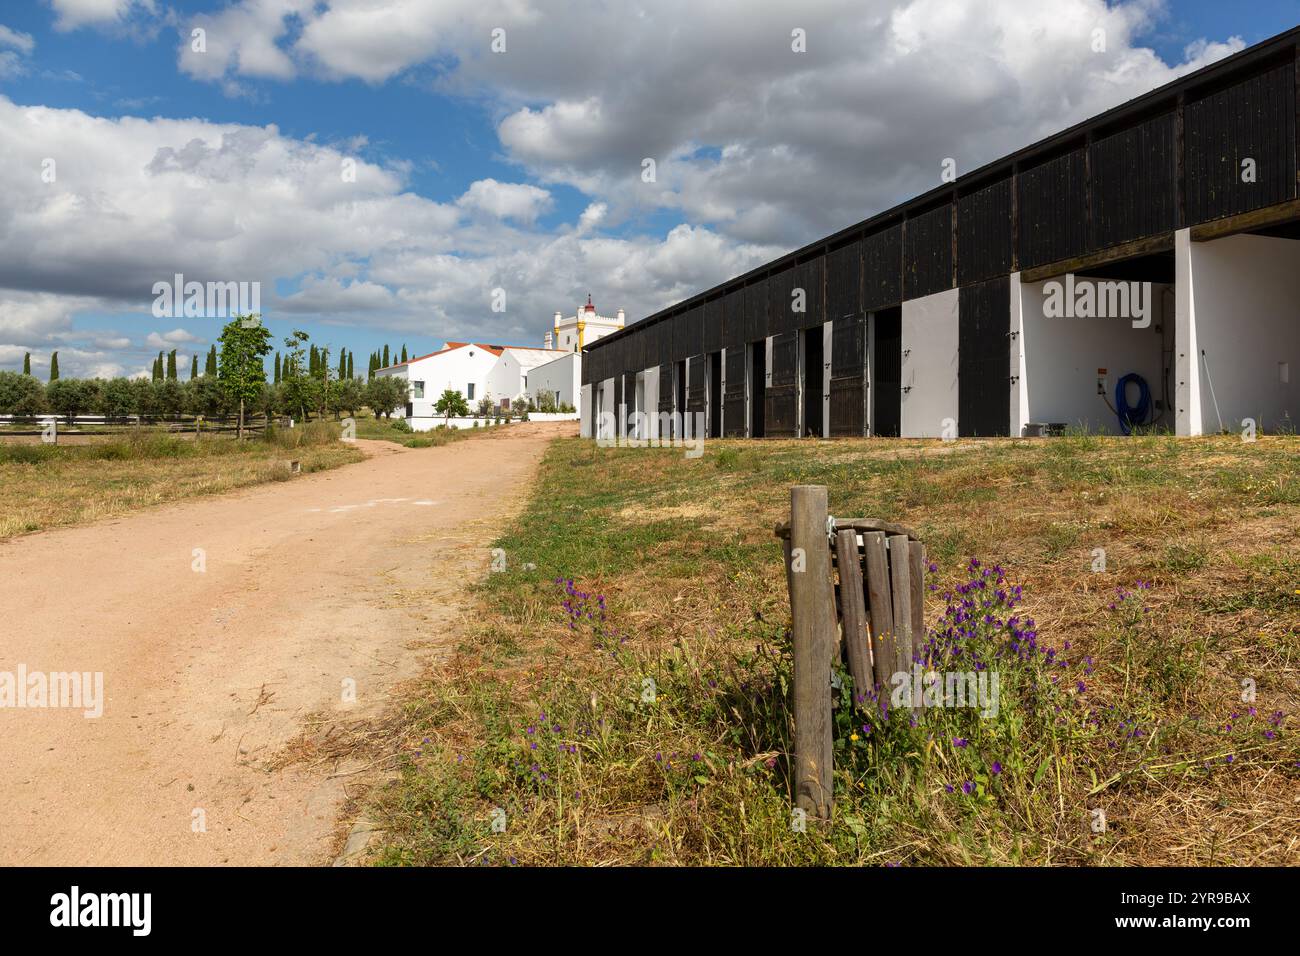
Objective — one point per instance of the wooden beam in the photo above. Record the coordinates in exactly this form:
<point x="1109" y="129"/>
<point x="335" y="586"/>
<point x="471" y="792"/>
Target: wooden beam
<point x="1127" y="250"/>
<point x="812" y="615"/>
<point x="782" y="529"/>
<point x="1247" y="221"/>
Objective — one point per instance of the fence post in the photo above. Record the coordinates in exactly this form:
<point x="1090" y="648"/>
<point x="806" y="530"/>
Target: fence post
<point x="853" y="611"/>
<point x="812" y="614"/>
<point x="916" y="568"/>
<point x="880" y="608"/>
<point x="900" y="579"/>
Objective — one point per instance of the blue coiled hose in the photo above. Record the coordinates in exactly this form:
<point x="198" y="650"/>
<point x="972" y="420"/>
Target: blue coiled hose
<point x="1130" y="415"/>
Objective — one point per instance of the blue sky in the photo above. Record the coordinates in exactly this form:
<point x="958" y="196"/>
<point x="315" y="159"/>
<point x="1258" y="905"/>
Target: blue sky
<point x="517" y="171"/>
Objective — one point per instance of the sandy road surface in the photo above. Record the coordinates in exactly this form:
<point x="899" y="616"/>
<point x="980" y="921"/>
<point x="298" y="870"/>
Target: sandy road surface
<point x="351" y="574"/>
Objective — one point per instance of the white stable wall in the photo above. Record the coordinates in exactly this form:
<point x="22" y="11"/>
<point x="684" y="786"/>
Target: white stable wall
<point x="586" y="419"/>
<point x="1057" y="360"/>
<point x="1239" y="337"/>
<point x="563" y="375"/>
<point x="929" y="364"/>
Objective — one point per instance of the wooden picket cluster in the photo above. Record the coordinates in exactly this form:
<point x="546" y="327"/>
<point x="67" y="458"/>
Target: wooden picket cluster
<point x="857" y="591"/>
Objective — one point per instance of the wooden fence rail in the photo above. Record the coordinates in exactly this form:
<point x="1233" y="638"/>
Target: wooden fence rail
<point x="857" y="593"/>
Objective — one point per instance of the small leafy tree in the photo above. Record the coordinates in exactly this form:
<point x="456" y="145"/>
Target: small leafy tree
<point x="485" y="406"/>
<point x="297" y="391"/>
<point x="70" y="396"/>
<point x="117" y="398"/>
<point x="21" y="395"/>
<point x="384" y="393"/>
<point x="349" y="396"/>
<point x="241" y="372"/>
<point x="451" y="403"/>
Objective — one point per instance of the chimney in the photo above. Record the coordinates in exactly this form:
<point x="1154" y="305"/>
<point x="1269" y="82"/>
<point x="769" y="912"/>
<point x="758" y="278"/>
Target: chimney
<point x="620" y="317"/>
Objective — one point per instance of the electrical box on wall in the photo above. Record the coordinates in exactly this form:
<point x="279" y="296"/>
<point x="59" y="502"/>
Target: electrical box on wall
<point x="1101" y="381"/>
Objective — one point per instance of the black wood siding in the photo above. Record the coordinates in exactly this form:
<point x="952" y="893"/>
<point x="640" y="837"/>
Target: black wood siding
<point x="983" y="358"/>
<point x="780" y="287"/>
<point x="1134" y="182"/>
<point x="1053" y="208"/>
<point x="713" y="325"/>
<point x="781" y="417"/>
<point x="688" y="338"/>
<point x="984" y="233"/>
<point x="882" y="269"/>
<point x="927" y="257"/>
<point x="844" y="281"/>
<point x="665" y="390"/>
<point x="1252" y="119"/>
<point x="733" y="319"/>
<point x="756" y="326"/>
<point x="811" y="277"/>
<point x="733" y="392"/>
<point x="848" y="376"/>
<point x="664" y="336"/>
<point x="696" y="395"/>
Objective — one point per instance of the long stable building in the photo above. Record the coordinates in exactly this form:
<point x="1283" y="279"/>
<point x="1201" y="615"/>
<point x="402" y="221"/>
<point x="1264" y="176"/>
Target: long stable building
<point x="1149" y="256"/>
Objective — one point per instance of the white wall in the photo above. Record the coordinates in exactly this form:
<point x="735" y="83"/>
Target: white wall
<point x="585" y="412"/>
<point x="1239" y="334"/>
<point x="828" y="336"/>
<point x="929" y="364"/>
<point x="456" y="369"/>
<point x="563" y="375"/>
<point x="651" y="378"/>
<point x="505" y="379"/>
<point x="1057" y="360"/>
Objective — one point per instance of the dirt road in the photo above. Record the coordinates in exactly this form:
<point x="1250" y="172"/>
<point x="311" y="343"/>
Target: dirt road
<point x="212" y="658"/>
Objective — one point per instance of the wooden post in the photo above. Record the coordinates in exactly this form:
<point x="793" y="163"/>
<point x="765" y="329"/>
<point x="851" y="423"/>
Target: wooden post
<point x="812" y="614"/>
<point x="916" y="567"/>
<point x="900" y="578"/>
<point x="853" y="609"/>
<point x="880" y="607"/>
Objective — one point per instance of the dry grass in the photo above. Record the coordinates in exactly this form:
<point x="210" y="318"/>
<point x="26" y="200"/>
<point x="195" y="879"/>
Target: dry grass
<point x="44" y="487"/>
<point x="682" y="550"/>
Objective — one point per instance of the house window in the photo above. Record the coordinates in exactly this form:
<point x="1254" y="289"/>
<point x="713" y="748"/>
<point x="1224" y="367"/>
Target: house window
<point x="469" y="391"/>
<point x="417" y="390"/>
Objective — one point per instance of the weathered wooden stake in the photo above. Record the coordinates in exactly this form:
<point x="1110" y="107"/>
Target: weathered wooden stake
<point x="880" y="608"/>
<point x="812" y="614"/>
<point x="916" y="565"/>
<point x="853" y="610"/>
<point x="900" y="578"/>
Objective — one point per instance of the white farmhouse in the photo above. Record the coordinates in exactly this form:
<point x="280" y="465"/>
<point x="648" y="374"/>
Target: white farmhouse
<point x="464" y="367"/>
<point x="509" y="377"/>
<point x="560" y="378"/>
<point x="502" y="373"/>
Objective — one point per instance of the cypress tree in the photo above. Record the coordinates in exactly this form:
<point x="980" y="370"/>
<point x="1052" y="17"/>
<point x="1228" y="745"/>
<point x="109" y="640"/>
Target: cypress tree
<point x="403" y="351"/>
<point x="27" y="363"/>
<point x="385" y="365"/>
<point x="349" y="365"/>
<point x="343" y="364"/>
<point x="171" y="365"/>
<point x="277" y="368"/>
<point x="194" y="366"/>
<point x="211" y="367"/>
<point x="54" y="367"/>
